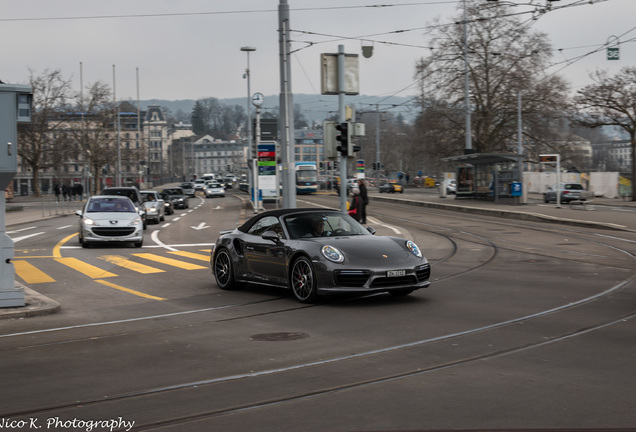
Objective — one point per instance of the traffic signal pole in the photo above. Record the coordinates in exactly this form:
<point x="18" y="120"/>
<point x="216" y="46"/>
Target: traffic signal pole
<point x="342" y="160"/>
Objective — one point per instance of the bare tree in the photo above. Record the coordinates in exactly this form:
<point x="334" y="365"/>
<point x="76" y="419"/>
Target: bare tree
<point x="42" y="146"/>
<point x="611" y="101"/>
<point x="505" y="59"/>
<point x="91" y="129"/>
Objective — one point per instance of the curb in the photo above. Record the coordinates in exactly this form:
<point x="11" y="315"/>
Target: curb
<point x="510" y="214"/>
<point x="36" y="305"/>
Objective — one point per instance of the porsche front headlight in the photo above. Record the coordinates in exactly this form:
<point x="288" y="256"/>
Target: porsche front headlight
<point x="414" y="249"/>
<point x="332" y="254"/>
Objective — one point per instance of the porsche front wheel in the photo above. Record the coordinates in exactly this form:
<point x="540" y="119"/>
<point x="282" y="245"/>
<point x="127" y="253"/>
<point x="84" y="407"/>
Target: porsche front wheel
<point x="303" y="280"/>
<point x="223" y="272"/>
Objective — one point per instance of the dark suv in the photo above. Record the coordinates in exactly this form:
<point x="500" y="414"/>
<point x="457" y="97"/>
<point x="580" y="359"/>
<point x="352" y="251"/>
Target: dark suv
<point x="132" y="193"/>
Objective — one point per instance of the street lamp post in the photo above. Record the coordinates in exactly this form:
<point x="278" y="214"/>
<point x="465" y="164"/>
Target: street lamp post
<point x="250" y="170"/>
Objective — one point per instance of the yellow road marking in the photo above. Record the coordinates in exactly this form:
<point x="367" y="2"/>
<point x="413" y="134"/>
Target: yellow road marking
<point x="31" y="274"/>
<point x="130" y="265"/>
<point x="82" y="267"/>
<point x="128" y="290"/>
<point x="170" y="261"/>
<point x="192" y="255"/>
<point x="58" y="246"/>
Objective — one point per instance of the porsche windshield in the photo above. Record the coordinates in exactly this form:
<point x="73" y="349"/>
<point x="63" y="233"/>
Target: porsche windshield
<point x="328" y="224"/>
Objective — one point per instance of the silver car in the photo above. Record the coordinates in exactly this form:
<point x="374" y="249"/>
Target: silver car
<point x="106" y="219"/>
<point x="154" y="205"/>
<point x="569" y="192"/>
<point x="214" y="190"/>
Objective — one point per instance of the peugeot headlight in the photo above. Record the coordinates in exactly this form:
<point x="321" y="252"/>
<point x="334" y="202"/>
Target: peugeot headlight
<point x="88" y="221"/>
<point x="135" y="221"/>
<point x="332" y="254"/>
<point x="413" y="248"/>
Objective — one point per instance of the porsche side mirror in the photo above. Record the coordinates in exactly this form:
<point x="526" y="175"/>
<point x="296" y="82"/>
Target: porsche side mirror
<point x="271" y="235"/>
<point x="371" y="230"/>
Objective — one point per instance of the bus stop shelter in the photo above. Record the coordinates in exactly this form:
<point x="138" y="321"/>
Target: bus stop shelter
<point x="489" y="176"/>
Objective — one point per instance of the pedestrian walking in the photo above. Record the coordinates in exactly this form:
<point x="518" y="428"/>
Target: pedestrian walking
<point x="56" y="191"/>
<point x="365" y="200"/>
<point x="64" y="192"/>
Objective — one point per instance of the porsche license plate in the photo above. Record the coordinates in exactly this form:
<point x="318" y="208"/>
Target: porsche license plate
<point x="395" y="273"/>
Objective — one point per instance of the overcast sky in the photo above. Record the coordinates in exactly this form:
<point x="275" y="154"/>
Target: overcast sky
<point x="190" y="49"/>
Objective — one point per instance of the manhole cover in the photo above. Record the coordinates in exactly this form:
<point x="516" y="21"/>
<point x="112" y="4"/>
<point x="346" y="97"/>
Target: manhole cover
<point x="278" y="337"/>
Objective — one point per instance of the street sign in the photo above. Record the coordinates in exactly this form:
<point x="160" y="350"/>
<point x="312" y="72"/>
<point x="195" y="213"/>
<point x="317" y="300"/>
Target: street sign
<point x="548" y="158"/>
<point x="329" y="74"/>
<point x="613" y="54"/>
<point x="360" y="168"/>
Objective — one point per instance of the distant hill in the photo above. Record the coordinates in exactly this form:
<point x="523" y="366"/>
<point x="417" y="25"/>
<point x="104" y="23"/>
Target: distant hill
<point x="315" y="108"/>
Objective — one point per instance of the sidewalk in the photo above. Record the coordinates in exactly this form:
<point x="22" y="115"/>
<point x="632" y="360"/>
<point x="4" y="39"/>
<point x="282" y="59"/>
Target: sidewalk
<point x="623" y="219"/>
<point x="25" y="210"/>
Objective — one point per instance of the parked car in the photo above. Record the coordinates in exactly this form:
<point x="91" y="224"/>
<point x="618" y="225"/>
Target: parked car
<point x="188" y="188"/>
<point x="214" y="190"/>
<point x="110" y="218"/>
<point x="132" y="193"/>
<point x="451" y="187"/>
<point x="569" y="192"/>
<point x="154" y="205"/>
<point x="178" y="197"/>
<point x="317" y="252"/>
<point x="390" y="187"/>
<point x="167" y="204"/>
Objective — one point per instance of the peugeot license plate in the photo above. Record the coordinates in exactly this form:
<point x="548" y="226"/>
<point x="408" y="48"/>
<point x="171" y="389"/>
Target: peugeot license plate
<point x="395" y="273"/>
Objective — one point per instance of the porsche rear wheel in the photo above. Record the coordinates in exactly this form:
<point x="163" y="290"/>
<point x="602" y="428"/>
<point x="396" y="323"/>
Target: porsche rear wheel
<point x="303" y="280"/>
<point x="223" y="272"/>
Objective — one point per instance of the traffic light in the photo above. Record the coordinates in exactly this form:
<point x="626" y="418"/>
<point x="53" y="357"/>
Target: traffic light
<point x="352" y="148"/>
<point x="344" y="138"/>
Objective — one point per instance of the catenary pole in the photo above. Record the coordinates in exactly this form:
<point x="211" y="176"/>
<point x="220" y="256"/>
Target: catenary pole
<point x="286" y="116"/>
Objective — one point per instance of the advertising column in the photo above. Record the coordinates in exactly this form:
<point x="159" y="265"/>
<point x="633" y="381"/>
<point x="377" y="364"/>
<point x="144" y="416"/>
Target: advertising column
<point x="267" y="171"/>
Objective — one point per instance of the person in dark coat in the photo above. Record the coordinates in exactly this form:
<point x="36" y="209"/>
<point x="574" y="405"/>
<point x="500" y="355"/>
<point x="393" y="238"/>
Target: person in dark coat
<point x="80" y="191"/>
<point x="365" y="201"/>
<point x="64" y="192"/>
<point x="56" y="191"/>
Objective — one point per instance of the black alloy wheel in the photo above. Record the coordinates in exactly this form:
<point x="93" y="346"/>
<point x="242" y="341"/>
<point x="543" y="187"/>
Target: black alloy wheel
<point x="223" y="270"/>
<point x="303" y="280"/>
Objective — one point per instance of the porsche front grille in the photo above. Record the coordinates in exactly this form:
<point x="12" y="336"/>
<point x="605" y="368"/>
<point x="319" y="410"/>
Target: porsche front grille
<point x="423" y="272"/>
<point x="385" y="282"/>
<point x="354" y="278"/>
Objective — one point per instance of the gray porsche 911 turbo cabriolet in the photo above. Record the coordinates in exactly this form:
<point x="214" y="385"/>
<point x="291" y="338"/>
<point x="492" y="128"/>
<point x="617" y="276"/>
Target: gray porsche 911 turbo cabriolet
<point x="314" y="253"/>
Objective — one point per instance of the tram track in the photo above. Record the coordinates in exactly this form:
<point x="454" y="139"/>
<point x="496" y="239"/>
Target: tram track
<point x="315" y="393"/>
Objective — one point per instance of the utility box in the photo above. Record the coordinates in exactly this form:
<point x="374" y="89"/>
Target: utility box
<point x="15" y="107"/>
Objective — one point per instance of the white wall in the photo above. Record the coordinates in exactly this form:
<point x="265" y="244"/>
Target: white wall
<point x="604" y="184"/>
<point x="539" y="182"/>
<point x="601" y="183"/>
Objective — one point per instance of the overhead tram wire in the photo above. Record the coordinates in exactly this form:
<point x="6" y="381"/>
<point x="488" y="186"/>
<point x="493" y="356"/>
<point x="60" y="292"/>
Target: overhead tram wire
<point x="232" y="12"/>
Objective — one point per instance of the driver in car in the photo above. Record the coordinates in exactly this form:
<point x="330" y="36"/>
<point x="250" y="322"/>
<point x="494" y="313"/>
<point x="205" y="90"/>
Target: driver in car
<point x="317" y="228"/>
